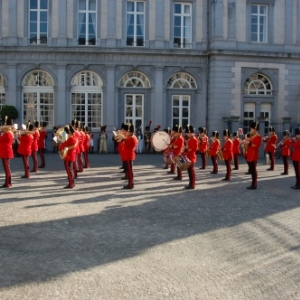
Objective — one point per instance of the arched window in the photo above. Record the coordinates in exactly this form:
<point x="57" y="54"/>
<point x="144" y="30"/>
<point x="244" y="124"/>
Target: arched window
<point x="134" y="79"/>
<point x="38" y="94"/>
<point x="134" y="102"/>
<point x="181" y="102"/>
<point x="182" y="80"/>
<point x="2" y="91"/>
<point x="86" y="98"/>
<point x="258" y="84"/>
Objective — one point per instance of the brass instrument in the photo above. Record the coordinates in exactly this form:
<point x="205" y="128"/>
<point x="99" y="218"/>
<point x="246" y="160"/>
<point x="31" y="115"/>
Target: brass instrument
<point x="220" y="155"/>
<point x="207" y="153"/>
<point x="118" y="136"/>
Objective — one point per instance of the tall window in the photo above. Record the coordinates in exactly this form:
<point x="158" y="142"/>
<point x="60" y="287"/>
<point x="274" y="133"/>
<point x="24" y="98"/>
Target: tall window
<point x="182" y="25"/>
<point x="258" y="84"/>
<point x="87" y="22"/>
<point x="38" y="21"/>
<point x="38" y="94"/>
<point x="134" y="109"/>
<point x="135" y="26"/>
<point x="265" y="112"/>
<point x="249" y="116"/>
<point x="259" y="20"/>
<point x="180" y="110"/>
<point x="86" y="97"/>
<point x="2" y="92"/>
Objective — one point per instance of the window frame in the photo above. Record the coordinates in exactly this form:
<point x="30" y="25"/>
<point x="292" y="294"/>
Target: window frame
<point x="180" y="108"/>
<point x="87" y="16"/>
<point x="38" y="37"/>
<point x="270" y="20"/>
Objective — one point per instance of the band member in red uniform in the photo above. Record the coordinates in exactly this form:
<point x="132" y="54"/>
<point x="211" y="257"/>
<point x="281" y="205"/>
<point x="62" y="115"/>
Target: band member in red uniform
<point x="70" y="144"/>
<point x="34" y="128"/>
<point x="236" y="149"/>
<point x="285" y="146"/>
<point x="77" y="135"/>
<point x="227" y="153"/>
<point x="203" y="146"/>
<point x="79" y="146"/>
<point x="41" y="144"/>
<point x="296" y="158"/>
<point x="130" y="143"/>
<point x="25" y="141"/>
<point x="252" y="154"/>
<point x="191" y="149"/>
<point x="86" y="146"/>
<point x="6" y="150"/>
<point x="271" y="141"/>
<point x="214" y="149"/>
<point x="177" y="147"/>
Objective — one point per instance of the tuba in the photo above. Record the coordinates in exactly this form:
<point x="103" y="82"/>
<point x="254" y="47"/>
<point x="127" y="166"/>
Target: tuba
<point x="61" y="136"/>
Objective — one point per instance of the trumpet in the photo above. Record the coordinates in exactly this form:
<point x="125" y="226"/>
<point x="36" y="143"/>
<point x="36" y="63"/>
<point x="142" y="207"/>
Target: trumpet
<point x="207" y="153"/>
<point x="280" y="144"/>
<point x="118" y="136"/>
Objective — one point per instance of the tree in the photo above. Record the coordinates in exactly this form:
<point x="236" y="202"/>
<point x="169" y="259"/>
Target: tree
<point x="10" y="111"/>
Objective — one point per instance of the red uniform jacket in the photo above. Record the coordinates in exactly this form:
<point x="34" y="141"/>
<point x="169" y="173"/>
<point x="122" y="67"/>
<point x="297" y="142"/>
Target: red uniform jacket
<point x="71" y="141"/>
<point x="82" y="141"/>
<point x="41" y="141"/>
<point x="236" y="146"/>
<point x="192" y="147"/>
<point x="253" y="148"/>
<point x="271" y="143"/>
<point x="36" y="136"/>
<point x="203" y="144"/>
<point x="87" y="142"/>
<point x="130" y="144"/>
<point x="178" y="145"/>
<point x="214" y="147"/>
<point x="227" y="150"/>
<point x="77" y="135"/>
<point x="25" y="144"/>
<point x="286" y="147"/>
<point x="6" y="141"/>
<point x="296" y="152"/>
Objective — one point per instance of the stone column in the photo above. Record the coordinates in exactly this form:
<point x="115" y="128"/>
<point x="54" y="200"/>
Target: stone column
<point x="226" y="123"/>
<point x="109" y="106"/>
<point x="62" y="23"/>
<point x="231" y="19"/>
<point x="11" y="91"/>
<point x="111" y="24"/>
<point x="157" y="105"/>
<point x="298" y="21"/>
<point x="159" y="25"/>
<point x="289" y="21"/>
<point x="218" y="28"/>
<point x="286" y="123"/>
<point x="60" y="116"/>
<point x="12" y="29"/>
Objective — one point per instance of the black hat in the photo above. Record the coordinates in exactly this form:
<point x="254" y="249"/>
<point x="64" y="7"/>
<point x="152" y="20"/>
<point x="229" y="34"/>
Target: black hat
<point x="271" y="129"/>
<point x="103" y="128"/>
<point x="30" y="127"/>
<point x="147" y="128"/>
<point x="44" y="124"/>
<point x="226" y="132"/>
<point x="8" y="121"/>
<point x="215" y="134"/>
<point x="156" y="128"/>
<point x="130" y="128"/>
<point x="248" y="135"/>
<point x="122" y="126"/>
<point x="167" y="130"/>
<point x="125" y="126"/>
<point x="286" y="133"/>
<point x="77" y="124"/>
<point x="73" y="122"/>
<point x="202" y="130"/>
<point x="297" y="130"/>
<point x="36" y="124"/>
<point x="177" y="128"/>
<point x="255" y="125"/>
<point x="189" y="129"/>
<point x="236" y="133"/>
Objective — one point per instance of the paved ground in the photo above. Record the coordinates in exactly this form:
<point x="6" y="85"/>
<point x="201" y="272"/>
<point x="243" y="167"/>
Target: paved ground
<point x="157" y="241"/>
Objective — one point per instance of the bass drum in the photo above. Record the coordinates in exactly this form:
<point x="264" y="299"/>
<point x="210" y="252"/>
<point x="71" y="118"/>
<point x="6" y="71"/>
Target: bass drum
<point x="160" y="140"/>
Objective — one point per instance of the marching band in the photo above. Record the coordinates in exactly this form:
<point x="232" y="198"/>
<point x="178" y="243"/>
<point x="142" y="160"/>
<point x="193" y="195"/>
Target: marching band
<point x="179" y="147"/>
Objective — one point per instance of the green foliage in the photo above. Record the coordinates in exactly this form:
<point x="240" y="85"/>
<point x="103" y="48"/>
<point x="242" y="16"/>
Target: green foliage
<point x="10" y="111"/>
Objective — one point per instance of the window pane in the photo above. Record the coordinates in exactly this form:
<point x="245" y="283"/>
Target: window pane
<point x="254" y="9"/>
<point x="92" y="4"/>
<point x="140" y="6"/>
<point x="130" y="6"/>
<point x="177" y="8"/>
<point x="44" y="4"/>
<point x="187" y="9"/>
<point x="43" y="16"/>
<point x="82" y="4"/>
<point x="33" y="16"/>
<point x="33" y="4"/>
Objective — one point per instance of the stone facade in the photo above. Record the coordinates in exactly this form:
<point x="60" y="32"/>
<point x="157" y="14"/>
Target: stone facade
<point x="220" y="59"/>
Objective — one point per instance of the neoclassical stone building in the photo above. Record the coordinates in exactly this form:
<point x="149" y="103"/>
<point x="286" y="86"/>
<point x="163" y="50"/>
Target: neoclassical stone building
<point x="214" y="63"/>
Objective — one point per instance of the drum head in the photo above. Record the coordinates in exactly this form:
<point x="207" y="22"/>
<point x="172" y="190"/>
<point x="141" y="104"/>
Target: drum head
<point x="160" y="140"/>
